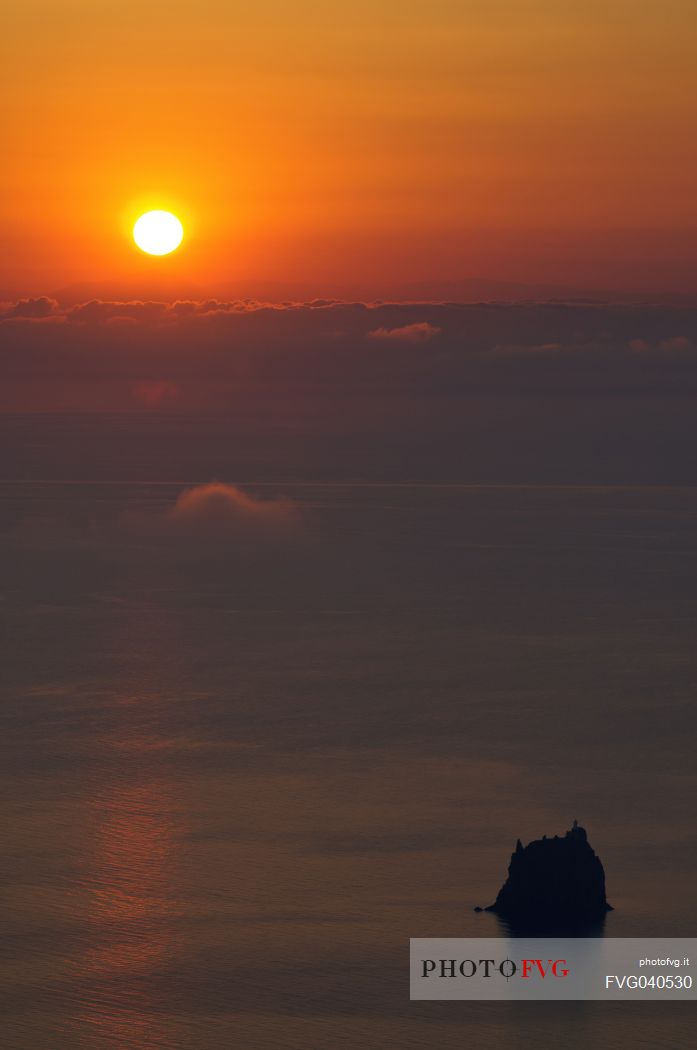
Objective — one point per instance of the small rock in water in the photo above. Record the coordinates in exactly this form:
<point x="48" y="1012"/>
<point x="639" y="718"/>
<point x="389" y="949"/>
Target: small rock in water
<point x="554" y="882"/>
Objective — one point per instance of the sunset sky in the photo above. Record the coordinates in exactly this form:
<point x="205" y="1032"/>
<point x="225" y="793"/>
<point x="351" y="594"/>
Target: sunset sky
<point x="348" y="510"/>
<point x="363" y="146"/>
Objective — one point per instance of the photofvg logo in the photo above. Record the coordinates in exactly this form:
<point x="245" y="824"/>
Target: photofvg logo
<point x="507" y="968"/>
<point x="553" y="968"/>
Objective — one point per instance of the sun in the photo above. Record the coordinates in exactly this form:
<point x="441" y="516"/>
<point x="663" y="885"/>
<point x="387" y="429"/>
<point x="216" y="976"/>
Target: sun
<point x="158" y="232"/>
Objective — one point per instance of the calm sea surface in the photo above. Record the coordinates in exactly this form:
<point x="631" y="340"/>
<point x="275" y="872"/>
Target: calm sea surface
<point x="239" y="772"/>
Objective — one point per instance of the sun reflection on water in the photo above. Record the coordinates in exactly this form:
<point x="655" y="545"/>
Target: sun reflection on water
<point x="130" y="880"/>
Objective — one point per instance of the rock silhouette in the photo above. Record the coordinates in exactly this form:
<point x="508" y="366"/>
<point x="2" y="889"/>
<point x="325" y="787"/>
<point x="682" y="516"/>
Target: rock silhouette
<point x="553" y="884"/>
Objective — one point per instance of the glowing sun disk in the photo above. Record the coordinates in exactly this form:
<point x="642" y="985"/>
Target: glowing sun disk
<point x="158" y="232"/>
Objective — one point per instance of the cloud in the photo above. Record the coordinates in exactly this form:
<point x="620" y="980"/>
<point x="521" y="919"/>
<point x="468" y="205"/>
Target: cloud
<point x="34" y="309"/>
<point x="153" y="312"/>
<point x="96" y="312"/>
<point x="221" y="512"/>
<point x="419" y="332"/>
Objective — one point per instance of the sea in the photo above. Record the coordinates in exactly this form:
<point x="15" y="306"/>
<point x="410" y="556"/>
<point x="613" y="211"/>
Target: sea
<point x="242" y="766"/>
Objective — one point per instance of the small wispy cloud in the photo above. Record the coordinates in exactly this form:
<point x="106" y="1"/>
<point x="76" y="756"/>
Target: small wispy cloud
<point x="419" y="332"/>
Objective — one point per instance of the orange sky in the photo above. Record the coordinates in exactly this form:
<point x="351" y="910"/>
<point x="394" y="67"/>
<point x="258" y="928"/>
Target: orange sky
<point x="352" y="143"/>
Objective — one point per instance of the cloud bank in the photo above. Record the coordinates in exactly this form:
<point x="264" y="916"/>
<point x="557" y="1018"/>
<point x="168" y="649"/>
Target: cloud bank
<point x="300" y="390"/>
<point x="184" y="354"/>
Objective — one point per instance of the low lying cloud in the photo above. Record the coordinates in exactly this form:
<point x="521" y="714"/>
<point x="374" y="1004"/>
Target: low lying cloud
<point x="226" y="510"/>
<point x="222" y="512"/>
<point x="419" y="332"/>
